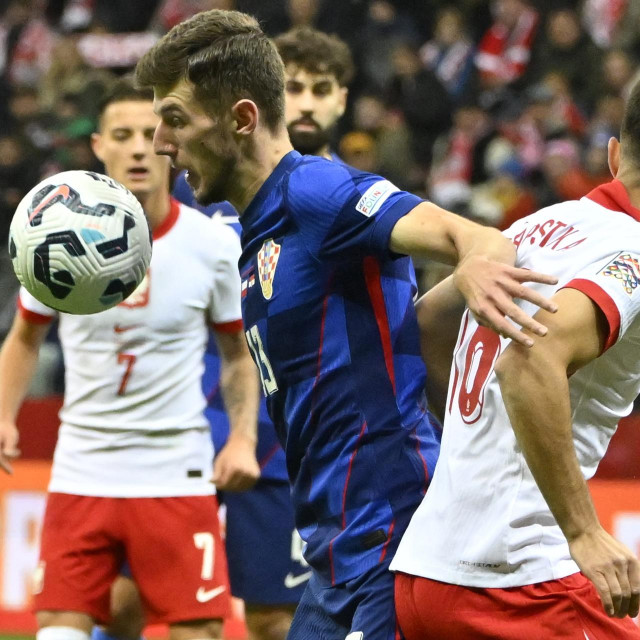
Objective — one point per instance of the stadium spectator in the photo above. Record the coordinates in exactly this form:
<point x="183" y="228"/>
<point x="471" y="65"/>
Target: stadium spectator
<point x="504" y="51"/>
<point x="450" y="53"/>
<point x="132" y="477"/>
<point x="510" y="521"/>
<point x="319" y="275"/>
<point x="567" y="49"/>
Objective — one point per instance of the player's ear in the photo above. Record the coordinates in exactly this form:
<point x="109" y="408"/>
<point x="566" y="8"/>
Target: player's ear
<point x="96" y="145"/>
<point x="343" y="100"/>
<point x="246" y="116"/>
<point x="613" y="155"/>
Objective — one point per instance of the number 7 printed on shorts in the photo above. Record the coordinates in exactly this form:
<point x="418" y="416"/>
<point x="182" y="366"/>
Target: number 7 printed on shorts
<point x="129" y="359"/>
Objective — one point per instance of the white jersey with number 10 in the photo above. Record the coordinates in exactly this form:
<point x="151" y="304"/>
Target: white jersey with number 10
<point x="483" y="522"/>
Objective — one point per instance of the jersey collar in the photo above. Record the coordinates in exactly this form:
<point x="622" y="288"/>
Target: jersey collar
<point x="614" y="196"/>
<point x="169" y="221"/>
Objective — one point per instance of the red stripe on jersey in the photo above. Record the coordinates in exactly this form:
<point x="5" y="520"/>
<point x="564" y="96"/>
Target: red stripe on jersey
<point x="455" y="364"/>
<point x="263" y="463"/>
<point x="606" y="304"/>
<point x="386" y="544"/>
<point x="346" y="482"/>
<point x="333" y="571"/>
<point x="325" y="304"/>
<point x="376" y="295"/>
<point x="32" y="316"/>
<point x="169" y="221"/>
<point x="235" y="326"/>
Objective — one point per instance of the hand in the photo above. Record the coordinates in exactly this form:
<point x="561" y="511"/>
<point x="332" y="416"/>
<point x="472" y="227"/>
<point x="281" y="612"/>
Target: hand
<point x="8" y="445"/>
<point x="236" y="467"/>
<point x="489" y="289"/>
<point x="613" y="569"/>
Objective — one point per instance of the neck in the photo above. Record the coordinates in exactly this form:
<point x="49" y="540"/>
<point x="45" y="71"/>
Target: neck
<point x="256" y="166"/>
<point x="156" y="206"/>
<point x="630" y="178"/>
<point x="325" y="152"/>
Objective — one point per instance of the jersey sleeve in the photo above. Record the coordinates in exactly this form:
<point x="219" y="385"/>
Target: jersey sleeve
<point x="341" y="211"/>
<point x="33" y="310"/>
<point x="224" y="307"/>
<point x="614" y="286"/>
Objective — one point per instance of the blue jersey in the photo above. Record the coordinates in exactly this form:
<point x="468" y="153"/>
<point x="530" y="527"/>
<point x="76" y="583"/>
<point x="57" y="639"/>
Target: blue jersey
<point x="269" y="453"/>
<point x="329" y="317"/>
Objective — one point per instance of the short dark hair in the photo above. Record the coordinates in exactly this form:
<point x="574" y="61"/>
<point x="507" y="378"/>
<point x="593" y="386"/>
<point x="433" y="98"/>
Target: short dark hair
<point x="317" y="52"/>
<point x="226" y="57"/>
<point x="630" y="128"/>
<point x="124" y="89"/>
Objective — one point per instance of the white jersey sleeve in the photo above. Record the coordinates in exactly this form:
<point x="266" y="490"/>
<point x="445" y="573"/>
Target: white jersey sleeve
<point x="32" y="310"/>
<point x="612" y="284"/>
<point x="224" y="309"/>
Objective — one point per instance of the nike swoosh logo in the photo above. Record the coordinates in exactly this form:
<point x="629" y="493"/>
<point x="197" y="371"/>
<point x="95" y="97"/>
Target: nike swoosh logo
<point x="291" y="581"/>
<point x="120" y="329"/>
<point x="202" y="595"/>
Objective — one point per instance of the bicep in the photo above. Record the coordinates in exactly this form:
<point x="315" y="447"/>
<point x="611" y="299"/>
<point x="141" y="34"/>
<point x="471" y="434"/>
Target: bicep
<point x="231" y="345"/>
<point x="576" y="334"/>
<point x="31" y="334"/>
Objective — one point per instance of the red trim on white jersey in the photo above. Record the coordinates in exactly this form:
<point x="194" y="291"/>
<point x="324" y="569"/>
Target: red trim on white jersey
<point x="32" y="316"/>
<point x="234" y="326"/>
<point x="606" y="304"/>
<point x="614" y="196"/>
<point x="169" y="221"/>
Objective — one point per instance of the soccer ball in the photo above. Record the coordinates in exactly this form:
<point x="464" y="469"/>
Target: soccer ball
<point x="80" y="242"/>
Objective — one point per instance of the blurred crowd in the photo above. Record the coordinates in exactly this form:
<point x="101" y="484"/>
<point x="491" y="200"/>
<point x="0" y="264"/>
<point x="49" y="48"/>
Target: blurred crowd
<point x="491" y="108"/>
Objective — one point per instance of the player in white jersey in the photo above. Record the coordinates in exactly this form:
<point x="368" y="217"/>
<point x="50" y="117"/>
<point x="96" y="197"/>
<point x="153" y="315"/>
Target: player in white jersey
<point x="132" y="472"/>
<point x="506" y="544"/>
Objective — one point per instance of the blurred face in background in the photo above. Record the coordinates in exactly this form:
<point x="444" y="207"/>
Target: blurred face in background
<point x="313" y="104"/>
<point x="124" y="143"/>
<point x="563" y="29"/>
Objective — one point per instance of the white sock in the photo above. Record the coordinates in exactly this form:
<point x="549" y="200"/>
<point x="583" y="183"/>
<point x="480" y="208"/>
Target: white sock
<point x="61" y="633"/>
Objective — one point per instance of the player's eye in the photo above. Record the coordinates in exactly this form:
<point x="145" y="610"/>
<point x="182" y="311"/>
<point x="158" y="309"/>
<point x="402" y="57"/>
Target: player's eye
<point x="294" y="88"/>
<point x="321" y="90"/>
<point x="121" y="135"/>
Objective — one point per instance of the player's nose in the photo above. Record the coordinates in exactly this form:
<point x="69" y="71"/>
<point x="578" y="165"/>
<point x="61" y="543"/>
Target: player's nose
<point x="162" y="143"/>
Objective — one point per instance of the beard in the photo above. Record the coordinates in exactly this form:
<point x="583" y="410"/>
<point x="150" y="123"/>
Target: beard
<point x="308" y="142"/>
<point x="215" y="188"/>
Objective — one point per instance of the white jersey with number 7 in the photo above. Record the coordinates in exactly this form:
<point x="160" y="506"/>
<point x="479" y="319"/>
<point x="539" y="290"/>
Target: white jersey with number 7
<point x="132" y="420"/>
<point x="483" y="521"/>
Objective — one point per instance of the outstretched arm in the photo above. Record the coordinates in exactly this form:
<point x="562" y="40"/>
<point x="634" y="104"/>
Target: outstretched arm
<point x="18" y="360"/>
<point x="576" y="335"/>
<point x="484" y="274"/>
<point x="236" y="467"/>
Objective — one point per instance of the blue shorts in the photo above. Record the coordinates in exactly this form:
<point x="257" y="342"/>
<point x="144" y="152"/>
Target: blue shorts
<point x="359" y="609"/>
<point x="264" y="550"/>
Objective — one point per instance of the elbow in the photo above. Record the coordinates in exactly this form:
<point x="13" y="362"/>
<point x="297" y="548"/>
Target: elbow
<point x="509" y="363"/>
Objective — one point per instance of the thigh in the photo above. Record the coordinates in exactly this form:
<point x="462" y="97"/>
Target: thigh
<point x="264" y="549"/>
<point x="177" y="558"/>
<point x="80" y="553"/>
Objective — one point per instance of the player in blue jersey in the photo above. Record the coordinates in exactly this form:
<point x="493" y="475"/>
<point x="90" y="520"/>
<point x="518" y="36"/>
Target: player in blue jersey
<point x="327" y="307"/>
<point x="266" y="566"/>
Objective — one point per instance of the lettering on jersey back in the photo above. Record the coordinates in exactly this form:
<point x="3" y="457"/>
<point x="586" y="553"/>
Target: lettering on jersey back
<point x="553" y="234"/>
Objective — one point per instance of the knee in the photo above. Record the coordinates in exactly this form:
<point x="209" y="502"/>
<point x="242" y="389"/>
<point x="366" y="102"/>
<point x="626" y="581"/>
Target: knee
<point x="269" y="623"/>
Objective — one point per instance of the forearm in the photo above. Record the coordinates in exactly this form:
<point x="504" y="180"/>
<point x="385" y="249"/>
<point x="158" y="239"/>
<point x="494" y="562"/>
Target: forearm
<point x="544" y="432"/>
<point x="241" y="396"/>
<point x="431" y="232"/>
<point x="18" y="361"/>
